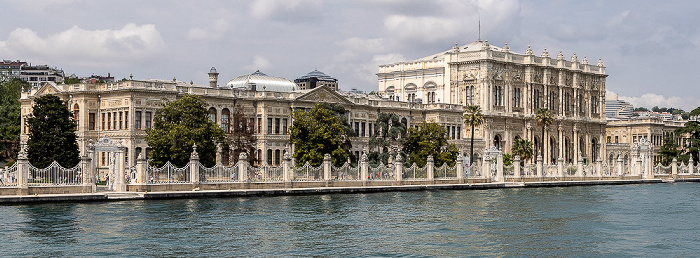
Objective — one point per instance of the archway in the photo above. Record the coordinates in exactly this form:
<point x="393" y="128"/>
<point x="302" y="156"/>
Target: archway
<point x="115" y="153"/>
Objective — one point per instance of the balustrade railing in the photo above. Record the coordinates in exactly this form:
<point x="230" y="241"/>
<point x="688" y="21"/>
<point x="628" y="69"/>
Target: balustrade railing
<point x="169" y="174"/>
<point x="345" y="172"/>
<point x="55" y="174"/>
<point x="445" y="171"/>
<point x="308" y="173"/>
<point x="9" y="176"/>
<point x="662" y="170"/>
<point x="218" y="173"/>
<point x="415" y="173"/>
<point x="380" y="172"/>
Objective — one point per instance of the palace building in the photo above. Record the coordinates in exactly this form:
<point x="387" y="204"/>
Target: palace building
<point x="510" y="87"/>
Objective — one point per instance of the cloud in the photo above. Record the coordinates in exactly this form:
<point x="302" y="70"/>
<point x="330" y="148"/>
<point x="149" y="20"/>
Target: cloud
<point x="259" y="63"/>
<point x="77" y="46"/>
<point x="288" y="10"/>
<point x="215" y="32"/>
<point x="649" y="100"/>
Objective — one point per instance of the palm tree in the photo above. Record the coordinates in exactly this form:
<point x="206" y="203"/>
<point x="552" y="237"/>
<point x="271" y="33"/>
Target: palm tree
<point x="544" y="117"/>
<point x="522" y="148"/>
<point x="473" y="117"/>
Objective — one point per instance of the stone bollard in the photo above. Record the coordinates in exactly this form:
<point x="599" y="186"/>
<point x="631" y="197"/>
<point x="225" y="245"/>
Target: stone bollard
<point x="460" y="168"/>
<point x="22" y="171"/>
<point x="430" y="168"/>
<point x="560" y="167"/>
<point x="579" y="168"/>
<point x="243" y="167"/>
<point x="398" y="168"/>
<point x="691" y="166"/>
<point x="618" y="165"/>
<point x="141" y="168"/>
<point x="327" y="167"/>
<point x="486" y="168"/>
<point x="287" y="174"/>
<point x="194" y="165"/>
<point x="539" y="167"/>
<point x="499" y="168"/>
<point x="516" y="166"/>
<point x="364" y="167"/>
<point x="120" y="182"/>
<point x="88" y="175"/>
<point x="674" y="168"/>
<point x="599" y="168"/>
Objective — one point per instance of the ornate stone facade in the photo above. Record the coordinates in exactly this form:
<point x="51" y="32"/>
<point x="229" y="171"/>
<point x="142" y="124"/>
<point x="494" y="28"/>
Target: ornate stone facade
<point x="622" y="134"/>
<point x="509" y="88"/>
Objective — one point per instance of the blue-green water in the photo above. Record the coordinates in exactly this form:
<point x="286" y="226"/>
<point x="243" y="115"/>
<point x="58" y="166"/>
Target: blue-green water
<point x="629" y="220"/>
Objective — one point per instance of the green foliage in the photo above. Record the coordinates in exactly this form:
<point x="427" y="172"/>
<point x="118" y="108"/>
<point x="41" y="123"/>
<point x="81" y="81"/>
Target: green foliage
<point x="507" y="159"/>
<point x="695" y="112"/>
<point x="72" y="80"/>
<point x="10" y="92"/>
<point x="388" y="136"/>
<point x="668" y="150"/>
<point x="473" y="118"/>
<point x="430" y="139"/>
<point x="691" y="145"/>
<point x="51" y="133"/>
<point x="643" y="109"/>
<point x="179" y="125"/>
<point x="317" y="132"/>
<point x="523" y="148"/>
<point x="241" y="137"/>
<point x="543" y="117"/>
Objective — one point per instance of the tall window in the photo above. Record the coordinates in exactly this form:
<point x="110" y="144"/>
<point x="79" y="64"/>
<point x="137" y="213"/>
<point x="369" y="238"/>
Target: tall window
<point x="126" y="120"/>
<point x="269" y="156"/>
<point x="114" y="121"/>
<point x="277" y="126"/>
<point x="76" y="115"/>
<point x="277" y="157"/>
<point x="284" y="126"/>
<point x="269" y="127"/>
<point x="103" y="121"/>
<point x="498" y="95"/>
<point x="225" y="116"/>
<point x="91" y="121"/>
<point x="109" y="121"/>
<point x="536" y="99"/>
<point x="516" y="97"/>
<point x="212" y="114"/>
<point x="594" y="104"/>
<point x="362" y="129"/>
<point x="137" y="119"/>
<point x="121" y="120"/>
<point x="148" y="120"/>
<point x="552" y="101"/>
<point x="126" y="155"/>
<point x="580" y="103"/>
<point x="259" y="126"/>
<point x="469" y="96"/>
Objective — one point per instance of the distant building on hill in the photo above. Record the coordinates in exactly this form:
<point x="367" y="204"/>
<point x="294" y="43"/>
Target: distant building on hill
<point x="33" y="74"/>
<point x="315" y="79"/>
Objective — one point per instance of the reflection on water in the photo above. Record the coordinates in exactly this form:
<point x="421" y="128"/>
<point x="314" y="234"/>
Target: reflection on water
<point x="631" y="220"/>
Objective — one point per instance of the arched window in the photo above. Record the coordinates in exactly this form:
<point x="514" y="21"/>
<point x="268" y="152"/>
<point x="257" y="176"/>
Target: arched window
<point x="553" y="152"/>
<point x="225" y="120"/>
<point x="212" y="114"/>
<point x="277" y="157"/>
<point x="76" y="115"/>
<point x="594" y="149"/>
<point x="497" y="142"/>
<point x="269" y="157"/>
<point x="138" y="152"/>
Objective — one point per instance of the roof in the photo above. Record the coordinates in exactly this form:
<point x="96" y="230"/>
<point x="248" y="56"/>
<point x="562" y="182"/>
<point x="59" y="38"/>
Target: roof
<point x="318" y="75"/>
<point x="259" y="81"/>
<point x="471" y="47"/>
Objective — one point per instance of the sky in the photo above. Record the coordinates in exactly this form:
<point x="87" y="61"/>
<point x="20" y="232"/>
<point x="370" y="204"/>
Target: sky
<point x="649" y="48"/>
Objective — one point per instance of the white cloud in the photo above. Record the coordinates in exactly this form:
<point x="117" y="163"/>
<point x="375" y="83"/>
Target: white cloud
<point x="259" y="63"/>
<point x="78" y="46"/>
<point x="291" y="10"/>
<point x="214" y="32"/>
<point x="650" y="100"/>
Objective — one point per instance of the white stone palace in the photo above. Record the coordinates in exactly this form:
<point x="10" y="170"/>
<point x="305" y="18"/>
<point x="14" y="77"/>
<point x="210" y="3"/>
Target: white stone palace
<point x="510" y="87"/>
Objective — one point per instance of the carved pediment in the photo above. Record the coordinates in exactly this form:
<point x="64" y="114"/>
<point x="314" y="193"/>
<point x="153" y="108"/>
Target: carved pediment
<point x="323" y="94"/>
<point x="47" y="88"/>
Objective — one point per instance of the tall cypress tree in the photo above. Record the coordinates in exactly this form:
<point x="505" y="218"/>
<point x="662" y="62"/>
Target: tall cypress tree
<point x="52" y="133"/>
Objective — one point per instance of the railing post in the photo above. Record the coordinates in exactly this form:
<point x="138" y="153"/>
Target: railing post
<point x="460" y="168"/>
<point x="618" y="166"/>
<point x="243" y="167"/>
<point x="539" y="166"/>
<point x="120" y="182"/>
<point x="516" y="166"/>
<point x="430" y="168"/>
<point x="194" y="165"/>
<point x="639" y="171"/>
<point x="141" y="169"/>
<point x="499" y="168"/>
<point x="599" y="167"/>
<point x="691" y="166"/>
<point x="579" y="169"/>
<point x="486" y="168"/>
<point x="398" y="168"/>
<point x="88" y="177"/>
<point x="364" y="167"/>
<point x="560" y="167"/>
<point x="674" y="168"/>
<point x="286" y="168"/>
<point x="22" y="171"/>
<point x="327" y="167"/>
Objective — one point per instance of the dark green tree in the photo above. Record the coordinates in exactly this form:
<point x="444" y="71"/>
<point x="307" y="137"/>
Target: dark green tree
<point x="430" y="139"/>
<point x="177" y="126"/>
<point x="10" y="92"/>
<point x="317" y="132"/>
<point x="668" y="150"/>
<point x="473" y="118"/>
<point x="240" y="137"/>
<point x="341" y="113"/>
<point x="544" y="118"/>
<point x="71" y="80"/>
<point x="695" y="112"/>
<point x="388" y="137"/>
<point x="691" y="134"/>
<point x="51" y="133"/>
<point x="522" y="148"/>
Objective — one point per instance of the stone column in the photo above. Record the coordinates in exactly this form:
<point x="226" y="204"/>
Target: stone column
<point x="88" y="173"/>
<point x="560" y="167"/>
<point x="120" y="180"/>
<point x="460" y="168"/>
<point x="364" y="168"/>
<point x="691" y="166"/>
<point x="243" y="167"/>
<point x="486" y="168"/>
<point x="286" y="167"/>
<point x="539" y="166"/>
<point x="430" y="168"/>
<point x="194" y="165"/>
<point x="618" y="166"/>
<point x="599" y="167"/>
<point x="516" y="166"/>
<point x="499" y="168"/>
<point x="579" y="169"/>
<point x="22" y="173"/>
<point x="674" y="168"/>
<point x="638" y="168"/>
<point x="398" y="168"/>
<point x="141" y="168"/>
<point x="327" y="167"/>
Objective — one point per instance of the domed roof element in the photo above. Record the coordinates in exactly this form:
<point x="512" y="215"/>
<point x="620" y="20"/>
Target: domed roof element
<point x="259" y="81"/>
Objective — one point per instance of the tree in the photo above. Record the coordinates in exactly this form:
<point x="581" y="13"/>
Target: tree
<point x="317" y="132"/>
<point x="71" y="80"/>
<point x="668" y="150"/>
<point x="543" y="117"/>
<point x="10" y="93"/>
<point x="388" y="137"/>
<point x="429" y="140"/>
<point x="522" y="148"/>
<point x="695" y="112"/>
<point x="177" y="126"/>
<point x="51" y="133"/>
<point x="691" y="145"/>
<point x="241" y="136"/>
<point x="641" y="109"/>
<point x="473" y="117"/>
